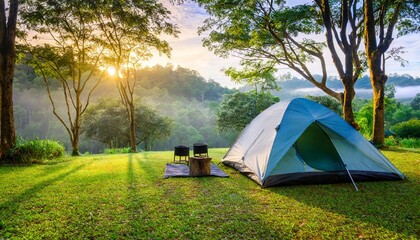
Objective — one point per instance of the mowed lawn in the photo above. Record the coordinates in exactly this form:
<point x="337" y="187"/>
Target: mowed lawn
<point x="125" y="197"/>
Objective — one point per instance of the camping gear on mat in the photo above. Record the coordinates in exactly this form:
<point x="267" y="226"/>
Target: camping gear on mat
<point x="302" y="142"/>
<point x="182" y="170"/>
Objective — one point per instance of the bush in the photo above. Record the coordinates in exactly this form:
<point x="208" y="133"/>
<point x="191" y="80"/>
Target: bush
<point x="117" y="150"/>
<point x="31" y="151"/>
<point x="410" y="143"/>
<point x="407" y="129"/>
<point x="391" y="141"/>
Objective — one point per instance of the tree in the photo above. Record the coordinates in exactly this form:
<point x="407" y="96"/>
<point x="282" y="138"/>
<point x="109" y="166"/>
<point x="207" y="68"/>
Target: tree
<point x="106" y="122"/>
<point x="238" y="109"/>
<point x="72" y="57"/>
<point x="129" y="31"/>
<point x="407" y="129"/>
<point x="8" y="21"/>
<point x="415" y="103"/>
<point x="151" y="127"/>
<point x="268" y="34"/>
<point x="380" y="20"/>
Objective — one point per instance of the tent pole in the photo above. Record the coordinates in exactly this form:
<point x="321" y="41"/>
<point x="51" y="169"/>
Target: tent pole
<point x="351" y="178"/>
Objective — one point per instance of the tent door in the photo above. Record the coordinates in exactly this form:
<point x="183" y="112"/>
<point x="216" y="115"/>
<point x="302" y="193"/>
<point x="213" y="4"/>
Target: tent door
<point x="315" y="148"/>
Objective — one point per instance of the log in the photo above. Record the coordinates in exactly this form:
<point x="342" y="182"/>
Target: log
<point x="199" y="166"/>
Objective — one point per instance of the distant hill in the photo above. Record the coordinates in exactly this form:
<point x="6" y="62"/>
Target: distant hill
<point x="362" y="83"/>
<point x="405" y="85"/>
<point x="181" y="82"/>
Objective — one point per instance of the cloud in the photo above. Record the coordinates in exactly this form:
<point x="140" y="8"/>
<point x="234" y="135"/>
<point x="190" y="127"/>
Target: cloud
<point x="188" y="51"/>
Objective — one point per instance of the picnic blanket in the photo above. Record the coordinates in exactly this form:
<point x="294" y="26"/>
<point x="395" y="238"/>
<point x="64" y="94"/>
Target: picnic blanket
<point x="182" y="170"/>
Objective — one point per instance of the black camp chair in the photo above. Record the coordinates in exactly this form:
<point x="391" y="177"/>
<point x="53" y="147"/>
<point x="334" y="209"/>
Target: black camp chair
<point x="200" y="150"/>
<point x="183" y="154"/>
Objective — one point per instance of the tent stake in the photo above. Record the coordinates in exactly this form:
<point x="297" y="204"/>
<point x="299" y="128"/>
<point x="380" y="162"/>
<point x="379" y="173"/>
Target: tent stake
<point x="351" y="178"/>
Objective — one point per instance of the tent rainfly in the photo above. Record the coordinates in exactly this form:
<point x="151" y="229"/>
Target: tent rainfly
<point x="302" y="142"/>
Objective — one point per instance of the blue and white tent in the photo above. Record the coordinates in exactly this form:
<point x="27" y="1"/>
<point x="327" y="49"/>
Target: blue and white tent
<point x="302" y="142"/>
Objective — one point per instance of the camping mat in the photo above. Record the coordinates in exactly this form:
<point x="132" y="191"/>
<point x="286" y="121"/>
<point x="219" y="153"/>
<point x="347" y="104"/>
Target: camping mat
<point x="182" y="170"/>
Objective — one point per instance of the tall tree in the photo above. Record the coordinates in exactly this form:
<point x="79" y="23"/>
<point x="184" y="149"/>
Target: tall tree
<point x="269" y="34"/>
<point x="71" y="56"/>
<point x="380" y="20"/>
<point x="342" y="23"/>
<point x="8" y="22"/>
<point x="107" y="122"/>
<point x="130" y="31"/>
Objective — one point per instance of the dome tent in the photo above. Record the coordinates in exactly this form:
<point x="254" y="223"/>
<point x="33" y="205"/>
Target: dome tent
<point x="302" y="142"/>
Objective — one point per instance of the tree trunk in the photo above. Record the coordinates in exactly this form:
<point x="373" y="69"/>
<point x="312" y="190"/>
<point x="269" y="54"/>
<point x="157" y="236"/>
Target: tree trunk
<point x="7" y="68"/>
<point x="377" y="80"/>
<point x="76" y="130"/>
<point x="346" y="103"/>
<point x="8" y="136"/>
<point x="75" y="147"/>
<point x="378" y="85"/>
<point x="348" y="43"/>
<point x="374" y="53"/>
<point x="75" y="141"/>
<point x="132" y="129"/>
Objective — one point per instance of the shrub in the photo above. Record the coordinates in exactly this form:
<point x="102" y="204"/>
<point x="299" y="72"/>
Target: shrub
<point x="391" y="141"/>
<point x="117" y="150"/>
<point x="407" y="129"/>
<point x="410" y="143"/>
<point x="31" y="151"/>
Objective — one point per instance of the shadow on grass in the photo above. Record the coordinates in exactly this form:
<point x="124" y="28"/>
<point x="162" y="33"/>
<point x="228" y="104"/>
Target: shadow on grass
<point x="392" y="205"/>
<point x="199" y="208"/>
<point x="9" y="207"/>
<point x="136" y="199"/>
<point x="49" y="167"/>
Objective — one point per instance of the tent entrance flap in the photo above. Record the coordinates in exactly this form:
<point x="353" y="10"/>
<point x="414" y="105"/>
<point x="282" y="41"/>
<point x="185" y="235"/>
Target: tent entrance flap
<point x="316" y="149"/>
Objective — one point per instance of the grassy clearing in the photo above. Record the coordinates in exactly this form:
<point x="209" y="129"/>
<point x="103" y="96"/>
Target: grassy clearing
<point x="124" y="196"/>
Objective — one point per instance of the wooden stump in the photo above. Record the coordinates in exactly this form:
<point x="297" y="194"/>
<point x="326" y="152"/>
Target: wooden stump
<point x="199" y="166"/>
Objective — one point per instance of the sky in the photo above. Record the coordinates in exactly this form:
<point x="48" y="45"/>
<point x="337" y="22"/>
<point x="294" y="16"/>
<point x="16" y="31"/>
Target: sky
<point x="188" y="52"/>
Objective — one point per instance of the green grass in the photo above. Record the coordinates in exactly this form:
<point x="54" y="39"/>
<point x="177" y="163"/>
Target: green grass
<point x="124" y="196"/>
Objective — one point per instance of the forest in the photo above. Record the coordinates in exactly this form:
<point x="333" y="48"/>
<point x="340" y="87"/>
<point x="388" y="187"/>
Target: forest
<point x="182" y="95"/>
<point x="187" y="106"/>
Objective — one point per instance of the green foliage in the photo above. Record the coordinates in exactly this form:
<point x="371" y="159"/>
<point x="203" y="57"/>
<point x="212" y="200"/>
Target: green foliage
<point x="124" y="196"/>
<point x="265" y="37"/>
<point x="328" y="102"/>
<point x="395" y="114"/>
<point x="391" y="141"/>
<point x="404" y="142"/>
<point x="364" y="118"/>
<point x="238" y="109"/>
<point x="410" y="142"/>
<point x="253" y="76"/>
<point x="408" y="20"/>
<point x="35" y="150"/>
<point x="415" y="104"/>
<point x="117" y="150"/>
<point x="181" y="82"/>
<point x="106" y="121"/>
<point x="178" y="93"/>
<point x="407" y="129"/>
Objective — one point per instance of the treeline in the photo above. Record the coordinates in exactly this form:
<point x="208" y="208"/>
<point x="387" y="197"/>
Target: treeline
<point x="180" y="94"/>
<point x="188" y="104"/>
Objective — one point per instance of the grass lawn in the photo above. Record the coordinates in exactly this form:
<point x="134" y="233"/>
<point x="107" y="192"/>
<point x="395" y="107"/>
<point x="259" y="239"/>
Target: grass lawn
<point x="125" y="196"/>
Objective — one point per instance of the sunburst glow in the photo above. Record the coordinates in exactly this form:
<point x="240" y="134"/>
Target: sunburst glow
<point x="112" y="71"/>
